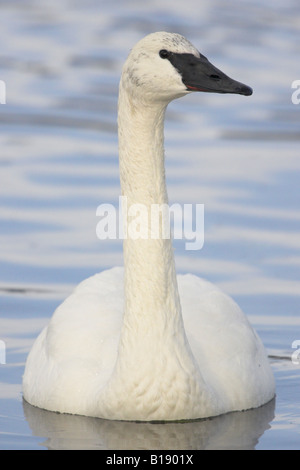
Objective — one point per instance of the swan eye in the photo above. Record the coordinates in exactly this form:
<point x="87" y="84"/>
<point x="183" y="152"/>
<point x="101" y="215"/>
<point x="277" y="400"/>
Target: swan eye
<point x="164" y="54"/>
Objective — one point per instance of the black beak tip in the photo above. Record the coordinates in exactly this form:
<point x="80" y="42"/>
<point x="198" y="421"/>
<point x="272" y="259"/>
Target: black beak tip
<point x="244" y="90"/>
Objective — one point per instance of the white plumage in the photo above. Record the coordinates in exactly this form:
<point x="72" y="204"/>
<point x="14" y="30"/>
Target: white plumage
<point x="141" y="343"/>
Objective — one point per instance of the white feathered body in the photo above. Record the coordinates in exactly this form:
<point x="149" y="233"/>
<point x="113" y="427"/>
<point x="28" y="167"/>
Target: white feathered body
<point x="69" y="367"/>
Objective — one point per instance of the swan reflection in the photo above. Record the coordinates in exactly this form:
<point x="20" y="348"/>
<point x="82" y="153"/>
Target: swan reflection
<point x="239" y="430"/>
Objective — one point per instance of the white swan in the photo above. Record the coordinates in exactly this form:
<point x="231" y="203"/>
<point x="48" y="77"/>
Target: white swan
<point x="167" y="348"/>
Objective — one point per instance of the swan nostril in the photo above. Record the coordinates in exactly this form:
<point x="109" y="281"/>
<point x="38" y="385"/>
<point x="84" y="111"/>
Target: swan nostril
<point x="215" y="77"/>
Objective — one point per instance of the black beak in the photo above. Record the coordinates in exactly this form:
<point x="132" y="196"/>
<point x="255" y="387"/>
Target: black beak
<point x="198" y="74"/>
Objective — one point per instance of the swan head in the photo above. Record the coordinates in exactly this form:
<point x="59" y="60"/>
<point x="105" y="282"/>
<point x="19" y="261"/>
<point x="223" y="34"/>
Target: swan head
<point x="164" y="66"/>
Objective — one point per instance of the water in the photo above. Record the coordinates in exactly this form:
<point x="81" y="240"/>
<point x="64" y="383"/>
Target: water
<point x="61" y="62"/>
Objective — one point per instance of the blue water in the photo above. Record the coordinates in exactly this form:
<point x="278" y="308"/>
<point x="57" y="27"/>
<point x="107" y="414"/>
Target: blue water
<point x="238" y="156"/>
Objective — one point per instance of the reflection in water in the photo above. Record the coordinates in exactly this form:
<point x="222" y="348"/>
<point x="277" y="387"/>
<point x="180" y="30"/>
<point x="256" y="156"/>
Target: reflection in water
<point x="240" y="430"/>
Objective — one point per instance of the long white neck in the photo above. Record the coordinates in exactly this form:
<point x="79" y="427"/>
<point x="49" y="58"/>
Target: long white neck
<point x="151" y="294"/>
<point x="154" y="362"/>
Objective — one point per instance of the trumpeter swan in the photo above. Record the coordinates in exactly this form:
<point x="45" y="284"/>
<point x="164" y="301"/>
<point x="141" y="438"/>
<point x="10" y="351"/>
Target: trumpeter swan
<point x="144" y="344"/>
